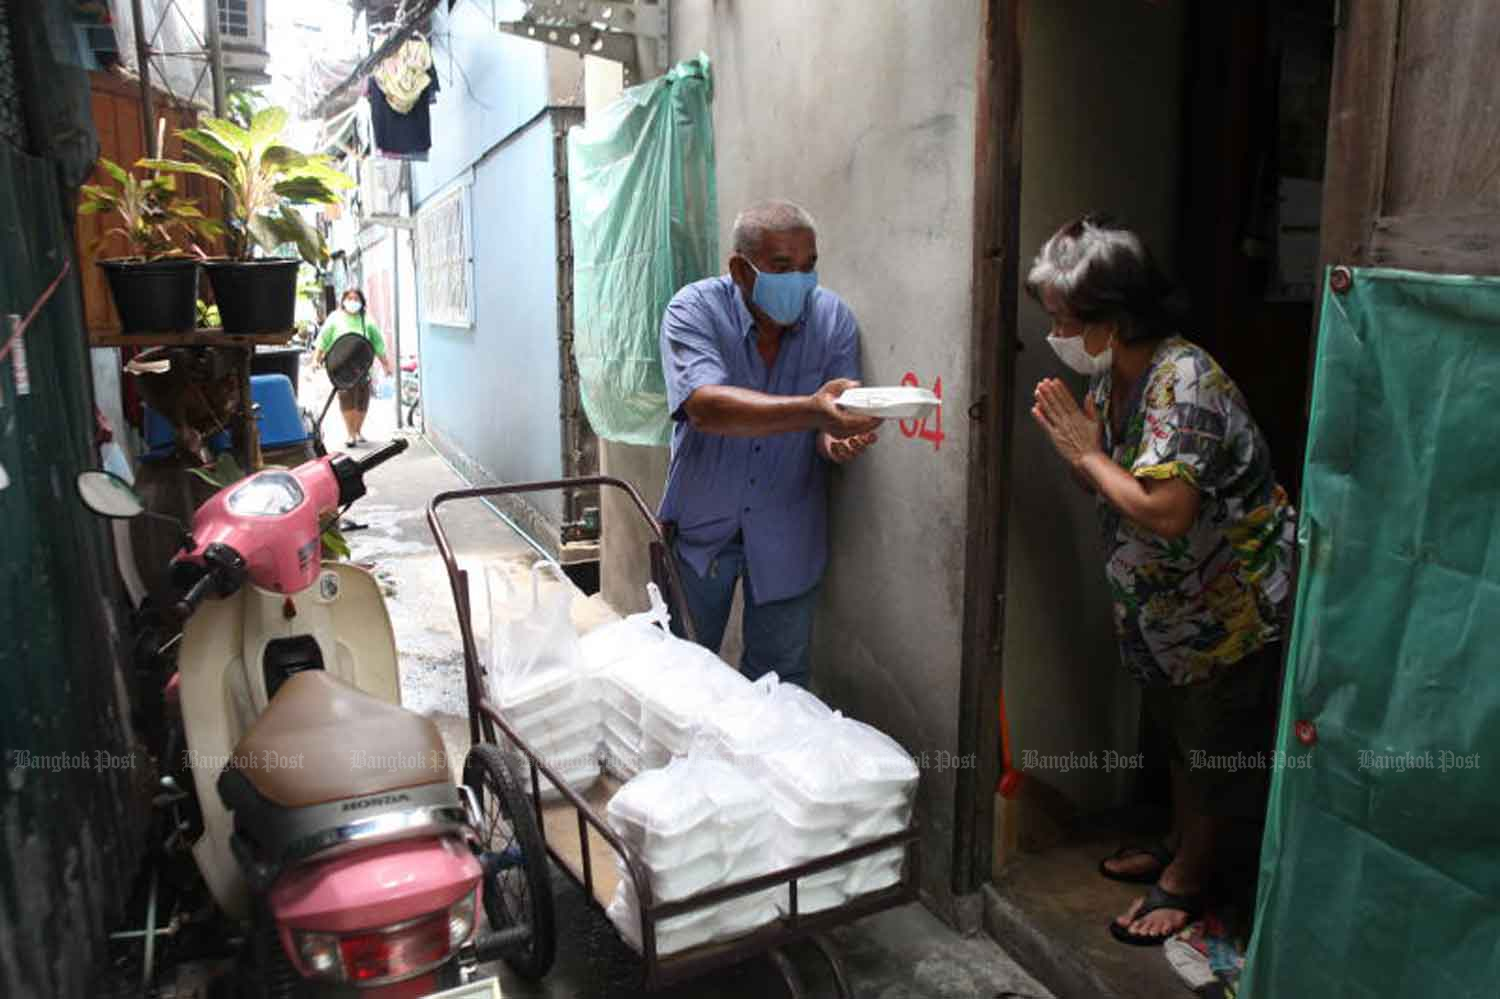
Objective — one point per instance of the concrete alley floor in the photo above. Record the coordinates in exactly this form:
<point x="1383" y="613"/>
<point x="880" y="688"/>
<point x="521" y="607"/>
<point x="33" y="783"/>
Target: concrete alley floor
<point x="902" y="954"/>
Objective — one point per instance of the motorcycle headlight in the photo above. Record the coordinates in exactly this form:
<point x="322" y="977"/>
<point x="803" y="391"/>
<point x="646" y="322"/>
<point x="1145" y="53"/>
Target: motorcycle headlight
<point x="269" y="494"/>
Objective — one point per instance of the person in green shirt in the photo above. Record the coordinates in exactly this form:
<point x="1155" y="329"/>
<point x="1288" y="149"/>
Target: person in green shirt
<point x="354" y="402"/>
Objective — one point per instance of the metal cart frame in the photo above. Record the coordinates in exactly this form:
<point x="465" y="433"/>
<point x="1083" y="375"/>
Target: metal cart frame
<point x="658" y="972"/>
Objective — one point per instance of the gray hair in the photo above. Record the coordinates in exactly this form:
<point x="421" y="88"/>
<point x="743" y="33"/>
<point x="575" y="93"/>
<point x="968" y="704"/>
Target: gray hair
<point x="753" y="224"/>
<point x="1103" y="272"/>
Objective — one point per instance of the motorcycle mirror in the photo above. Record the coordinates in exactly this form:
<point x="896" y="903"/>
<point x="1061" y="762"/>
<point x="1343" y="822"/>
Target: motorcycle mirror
<point x="109" y="495"/>
<point x="348" y="360"/>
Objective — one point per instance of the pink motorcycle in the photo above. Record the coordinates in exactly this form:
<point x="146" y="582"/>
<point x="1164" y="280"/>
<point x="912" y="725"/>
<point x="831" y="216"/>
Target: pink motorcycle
<point x="331" y="824"/>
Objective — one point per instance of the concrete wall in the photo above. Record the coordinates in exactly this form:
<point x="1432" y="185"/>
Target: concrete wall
<point x="864" y="112"/>
<point x="491" y="390"/>
<point x="1101" y="121"/>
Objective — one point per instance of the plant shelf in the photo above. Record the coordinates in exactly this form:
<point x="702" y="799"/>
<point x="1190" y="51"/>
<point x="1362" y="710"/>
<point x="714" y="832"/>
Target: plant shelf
<point x="206" y="337"/>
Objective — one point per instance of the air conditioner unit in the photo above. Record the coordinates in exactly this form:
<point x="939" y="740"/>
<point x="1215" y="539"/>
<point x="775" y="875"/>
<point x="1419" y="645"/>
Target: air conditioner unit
<point x="384" y="184"/>
<point x="242" y="36"/>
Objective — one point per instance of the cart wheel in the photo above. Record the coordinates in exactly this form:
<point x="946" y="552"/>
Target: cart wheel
<point x="517" y="882"/>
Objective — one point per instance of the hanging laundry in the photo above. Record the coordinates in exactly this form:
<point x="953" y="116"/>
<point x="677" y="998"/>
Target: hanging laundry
<point x="403" y="76"/>
<point x="402" y="136"/>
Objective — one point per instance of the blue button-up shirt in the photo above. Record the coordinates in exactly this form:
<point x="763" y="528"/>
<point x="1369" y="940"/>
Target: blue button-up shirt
<point x="772" y="488"/>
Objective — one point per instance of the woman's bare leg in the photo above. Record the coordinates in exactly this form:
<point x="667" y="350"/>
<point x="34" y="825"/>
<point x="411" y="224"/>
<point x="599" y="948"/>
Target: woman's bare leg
<point x="1195" y="860"/>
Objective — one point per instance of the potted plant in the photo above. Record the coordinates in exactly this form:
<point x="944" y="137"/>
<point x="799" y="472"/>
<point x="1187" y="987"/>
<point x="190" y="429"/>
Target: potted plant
<point x="265" y="181"/>
<point x="155" y="287"/>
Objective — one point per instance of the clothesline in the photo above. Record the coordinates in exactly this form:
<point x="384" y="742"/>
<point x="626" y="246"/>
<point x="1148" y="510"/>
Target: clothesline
<point x="369" y="62"/>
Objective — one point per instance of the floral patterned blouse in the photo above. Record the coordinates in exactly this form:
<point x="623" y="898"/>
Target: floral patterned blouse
<point x="1188" y="607"/>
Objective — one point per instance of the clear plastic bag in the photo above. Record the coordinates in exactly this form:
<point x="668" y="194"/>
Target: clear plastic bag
<point x="726" y="921"/>
<point x="847" y="771"/>
<point x="534" y="650"/>
<point x="842" y="784"/>
<point x="628" y="637"/>
<point x="763" y="717"/>
<point x="536" y="673"/>
<point x="661" y="694"/>
<point x="696" y="824"/>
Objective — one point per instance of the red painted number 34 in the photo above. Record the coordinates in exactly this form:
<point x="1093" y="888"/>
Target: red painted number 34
<point x="919" y="428"/>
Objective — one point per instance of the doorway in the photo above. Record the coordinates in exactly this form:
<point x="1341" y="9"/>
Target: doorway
<point x="1202" y="126"/>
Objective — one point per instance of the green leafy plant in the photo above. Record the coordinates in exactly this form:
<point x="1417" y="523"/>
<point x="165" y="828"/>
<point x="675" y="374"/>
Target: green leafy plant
<point x="153" y="216"/>
<point x="226" y="471"/>
<point x="208" y="315"/>
<point x="241" y="105"/>
<point x="265" y="180"/>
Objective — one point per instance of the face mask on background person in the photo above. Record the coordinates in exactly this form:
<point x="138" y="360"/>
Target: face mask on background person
<point x="351" y="306"/>
<point x="1071" y="351"/>
<point x="782" y="296"/>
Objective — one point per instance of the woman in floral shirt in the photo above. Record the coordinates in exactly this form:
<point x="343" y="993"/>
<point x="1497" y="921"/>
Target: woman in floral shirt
<point x="1197" y="542"/>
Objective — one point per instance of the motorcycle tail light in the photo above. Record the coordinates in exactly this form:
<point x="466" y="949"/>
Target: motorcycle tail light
<point x="461" y="920"/>
<point x="389" y="953"/>
<point x="318" y="955"/>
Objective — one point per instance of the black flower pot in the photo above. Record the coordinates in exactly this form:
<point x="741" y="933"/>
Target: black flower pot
<point x="154" y="296"/>
<point x="254" y="296"/>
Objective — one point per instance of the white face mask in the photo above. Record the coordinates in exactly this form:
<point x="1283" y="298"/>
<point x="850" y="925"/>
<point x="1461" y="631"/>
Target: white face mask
<point x="351" y="306"/>
<point x="1071" y="351"/>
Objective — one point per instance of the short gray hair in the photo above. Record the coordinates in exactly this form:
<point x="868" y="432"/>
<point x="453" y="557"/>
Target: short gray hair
<point x="752" y="224"/>
<point x="1103" y="272"/>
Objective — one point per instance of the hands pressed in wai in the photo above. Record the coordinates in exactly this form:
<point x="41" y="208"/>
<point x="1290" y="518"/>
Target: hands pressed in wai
<point x="1075" y="433"/>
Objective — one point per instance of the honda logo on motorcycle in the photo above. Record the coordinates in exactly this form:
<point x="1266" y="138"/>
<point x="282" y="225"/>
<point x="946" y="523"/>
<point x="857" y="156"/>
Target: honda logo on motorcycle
<point x="384" y="799"/>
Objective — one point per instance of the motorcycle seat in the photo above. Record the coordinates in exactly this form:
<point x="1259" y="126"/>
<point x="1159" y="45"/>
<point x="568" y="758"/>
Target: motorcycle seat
<point x="327" y="767"/>
<point x="322" y="740"/>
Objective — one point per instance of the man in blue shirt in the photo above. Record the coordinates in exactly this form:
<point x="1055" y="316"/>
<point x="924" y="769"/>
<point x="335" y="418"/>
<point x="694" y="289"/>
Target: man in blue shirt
<point x="754" y="362"/>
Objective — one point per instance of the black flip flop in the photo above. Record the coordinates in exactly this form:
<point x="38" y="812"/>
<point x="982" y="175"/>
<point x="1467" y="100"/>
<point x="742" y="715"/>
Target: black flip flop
<point x="1156" y="851"/>
<point x="1158" y="898"/>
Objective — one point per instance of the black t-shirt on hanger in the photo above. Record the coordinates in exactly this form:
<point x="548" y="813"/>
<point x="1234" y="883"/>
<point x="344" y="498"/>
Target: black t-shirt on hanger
<point x="403" y="136"/>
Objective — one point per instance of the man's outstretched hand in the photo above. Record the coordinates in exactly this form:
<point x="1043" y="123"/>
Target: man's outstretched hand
<point x="840" y="450"/>
<point x="838" y="422"/>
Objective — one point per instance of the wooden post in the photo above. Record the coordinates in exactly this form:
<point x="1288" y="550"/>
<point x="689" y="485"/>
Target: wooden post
<point x="248" y="426"/>
<point x="215" y="54"/>
<point x="143" y="68"/>
<point x="997" y="189"/>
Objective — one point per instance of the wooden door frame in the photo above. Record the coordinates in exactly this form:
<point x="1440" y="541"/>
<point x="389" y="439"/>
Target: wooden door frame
<point x="993" y="346"/>
<point x="1356" y="229"/>
<point x="1364" y="70"/>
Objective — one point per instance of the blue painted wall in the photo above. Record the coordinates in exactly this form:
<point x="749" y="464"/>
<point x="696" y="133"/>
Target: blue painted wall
<point x="491" y="392"/>
<point x="491" y="82"/>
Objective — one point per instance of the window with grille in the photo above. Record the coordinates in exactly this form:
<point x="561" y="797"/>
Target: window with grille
<point x="234" y="18"/>
<point x="443" y="259"/>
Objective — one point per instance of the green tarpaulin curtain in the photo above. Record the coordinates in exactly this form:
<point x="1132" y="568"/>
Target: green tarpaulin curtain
<point x="1380" y="869"/>
<point x="645" y="223"/>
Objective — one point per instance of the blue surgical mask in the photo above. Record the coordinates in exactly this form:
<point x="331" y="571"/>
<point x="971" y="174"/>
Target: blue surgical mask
<point x="782" y="296"/>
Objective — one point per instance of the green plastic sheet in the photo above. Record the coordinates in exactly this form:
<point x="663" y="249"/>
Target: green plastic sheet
<point x="645" y="223"/>
<point x="1380" y="870"/>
